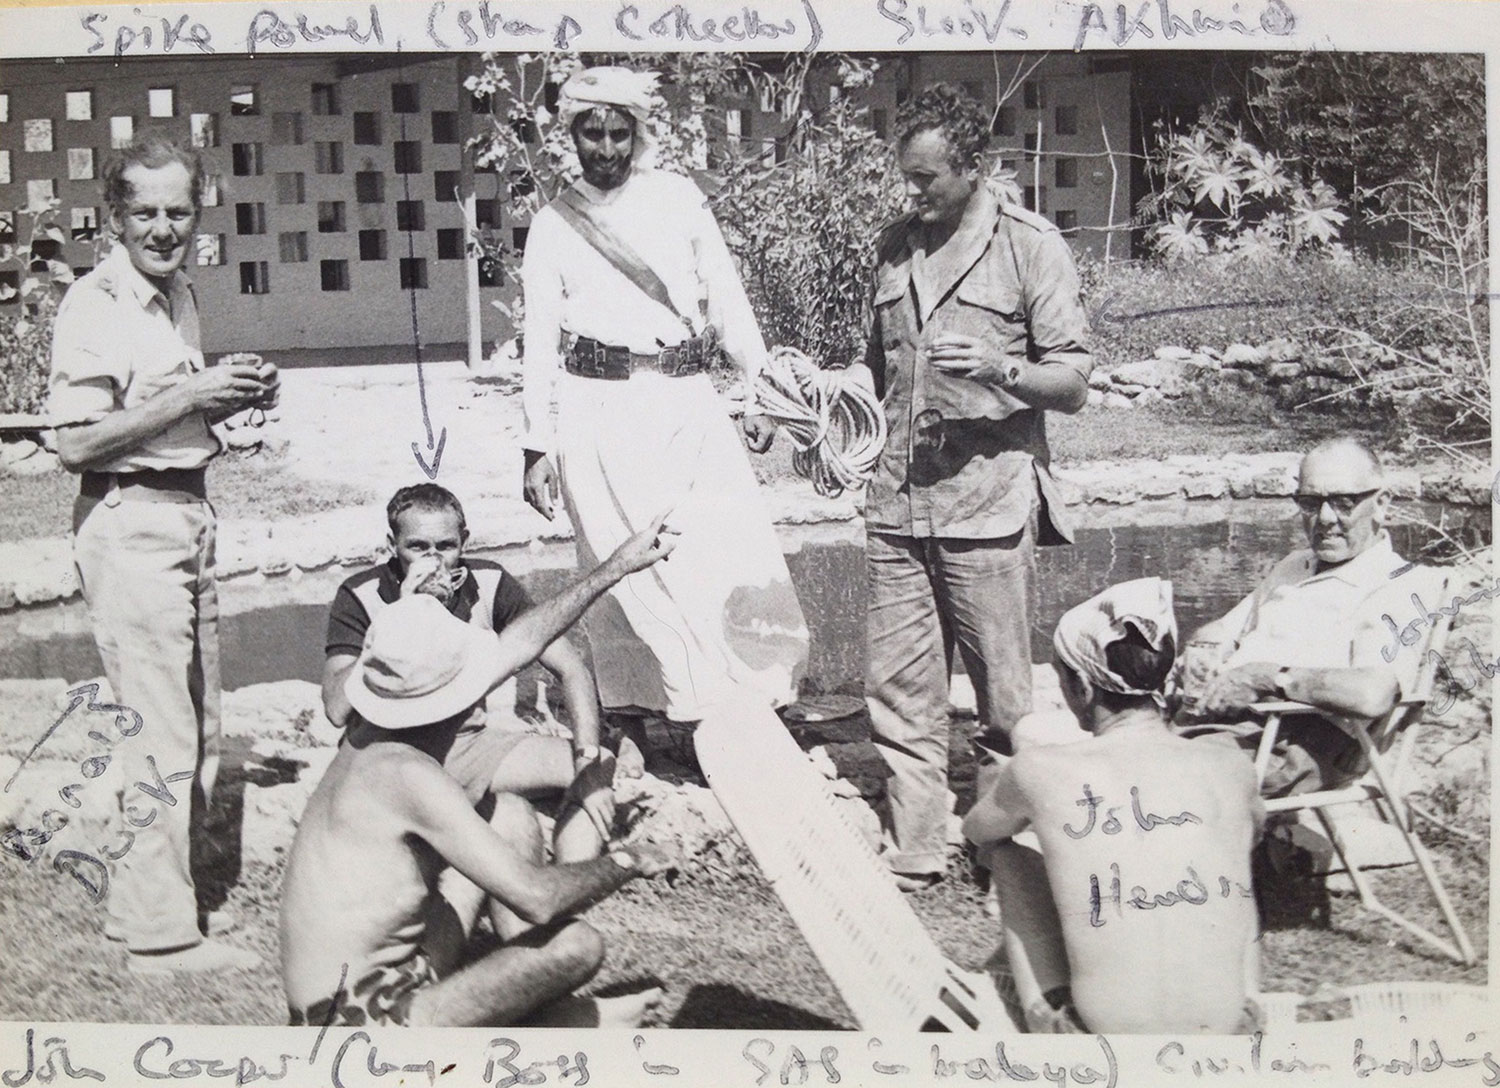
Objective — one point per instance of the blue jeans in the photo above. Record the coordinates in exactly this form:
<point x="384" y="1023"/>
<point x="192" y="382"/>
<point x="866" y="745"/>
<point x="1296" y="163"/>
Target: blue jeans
<point x="926" y="596"/>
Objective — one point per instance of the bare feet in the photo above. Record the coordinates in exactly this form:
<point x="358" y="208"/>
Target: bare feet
<point x="625" y="1011"/>
<point x="204" y="956"/>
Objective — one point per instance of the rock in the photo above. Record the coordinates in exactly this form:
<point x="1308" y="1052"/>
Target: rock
<point x="48" y="439"/>
<point x="269" y="819"/>
<point x="1206" y="487"/>
<point x="1241" y="486"/>
<point x="1274" y="485"/>
<point x="41" y="570"/>
<point x="1283" y="372"/>
<point x="1243" y="355"/>
<point x="1148" y="372"/>
<point x="1328" y="366"/>
<point x="243" y="440"/>
<point x="1149" y="395"/>
<point x="687" y="816"/>
<point x="1099" y="379"/>
<point x="7" y="596"/>
<point x="1210" y="353"/>
<point x="1130" y="390"/>
<point x="1282" y="350"/>
<point x="1196" y="369"/>
<point x="238" y="547"/>
<point x="283" y="710"/>
<point x="1069" y="491"/>
<point x="1160" y="487"/>
<point x="1472" y="489"/>
<point x="18" y="450"/>
<point x="1173" y="386"/>
<point x="1114" y="492"/>
<point x="1173" y="353"/>
<point x="1095" y="398"/>
<point x="38" y="464"/>
<point x="1117" y="400"/>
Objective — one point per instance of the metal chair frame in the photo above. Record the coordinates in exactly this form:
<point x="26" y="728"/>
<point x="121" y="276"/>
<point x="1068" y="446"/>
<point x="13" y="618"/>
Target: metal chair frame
<point x="1387" y="744"/>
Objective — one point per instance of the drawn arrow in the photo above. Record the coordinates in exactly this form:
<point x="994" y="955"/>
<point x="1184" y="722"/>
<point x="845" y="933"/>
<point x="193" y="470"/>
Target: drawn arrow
<point x="442" y="439"/>
<point x="437" y="456"/>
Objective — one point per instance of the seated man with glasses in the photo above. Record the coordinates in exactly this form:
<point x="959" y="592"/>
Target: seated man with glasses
<point x="1313" y="631"/>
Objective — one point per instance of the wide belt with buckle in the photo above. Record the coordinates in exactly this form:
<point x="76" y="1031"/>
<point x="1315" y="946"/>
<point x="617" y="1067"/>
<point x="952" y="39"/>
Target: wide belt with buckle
<point x="588" y="358"/>
<point x="147" y="485"/>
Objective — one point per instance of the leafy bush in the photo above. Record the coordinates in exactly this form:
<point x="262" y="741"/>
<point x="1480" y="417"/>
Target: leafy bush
<point x="1137" y="306"/>
<point x="802" y="224"/>
<point x="26" y="336"/>
<point x="1407" y="343"/>
<point x="1213" y="190"/>
<point x="804" y="231"/>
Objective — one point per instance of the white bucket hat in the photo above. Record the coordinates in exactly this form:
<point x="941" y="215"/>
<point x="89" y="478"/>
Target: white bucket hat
<point x="421" y="664"/>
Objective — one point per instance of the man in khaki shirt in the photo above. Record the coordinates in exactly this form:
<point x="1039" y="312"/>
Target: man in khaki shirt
<point x="132" y="402"/>
<point x="978" y="332"/>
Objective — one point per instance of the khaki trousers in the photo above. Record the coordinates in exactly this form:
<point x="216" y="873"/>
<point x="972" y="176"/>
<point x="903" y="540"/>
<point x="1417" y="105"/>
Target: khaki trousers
<point x="147" y="572"/>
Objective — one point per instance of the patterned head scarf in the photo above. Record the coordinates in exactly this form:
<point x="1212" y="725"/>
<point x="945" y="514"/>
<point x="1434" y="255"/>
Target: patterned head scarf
<point x="624" y="89"/>
<point x="1085" y="632"/>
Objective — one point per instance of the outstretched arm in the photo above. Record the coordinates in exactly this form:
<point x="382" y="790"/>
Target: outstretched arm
<point x="524" y="639"/>
<point x="442" y="815"/>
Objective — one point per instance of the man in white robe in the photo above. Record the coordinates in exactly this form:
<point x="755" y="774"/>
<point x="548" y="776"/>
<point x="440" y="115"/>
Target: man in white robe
<point x="627" y="284"/>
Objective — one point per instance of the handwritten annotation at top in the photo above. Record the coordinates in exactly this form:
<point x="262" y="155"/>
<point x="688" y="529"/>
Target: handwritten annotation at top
<point x="783" y="25"/>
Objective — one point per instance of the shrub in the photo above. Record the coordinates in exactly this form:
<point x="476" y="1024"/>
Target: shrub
<point x="26" y="335"/>
<point x="804" y="232"/>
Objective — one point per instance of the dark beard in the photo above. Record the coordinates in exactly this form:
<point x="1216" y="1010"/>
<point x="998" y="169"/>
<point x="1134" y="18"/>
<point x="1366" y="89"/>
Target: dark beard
<point x="604" y="173"/>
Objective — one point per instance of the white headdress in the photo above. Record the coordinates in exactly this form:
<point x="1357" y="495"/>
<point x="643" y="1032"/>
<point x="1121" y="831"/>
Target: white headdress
<point x="623" y="88"/>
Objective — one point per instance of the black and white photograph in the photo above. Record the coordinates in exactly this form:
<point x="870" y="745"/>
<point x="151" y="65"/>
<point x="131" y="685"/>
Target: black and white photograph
<point x="882" y="532"/>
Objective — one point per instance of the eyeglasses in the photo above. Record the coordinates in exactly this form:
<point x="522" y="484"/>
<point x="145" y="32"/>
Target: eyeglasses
<point x="1343" y="504"/>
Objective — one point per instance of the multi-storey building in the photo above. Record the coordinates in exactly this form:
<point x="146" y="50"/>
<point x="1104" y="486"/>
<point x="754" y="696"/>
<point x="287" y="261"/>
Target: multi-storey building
<point x="342" y="200"/>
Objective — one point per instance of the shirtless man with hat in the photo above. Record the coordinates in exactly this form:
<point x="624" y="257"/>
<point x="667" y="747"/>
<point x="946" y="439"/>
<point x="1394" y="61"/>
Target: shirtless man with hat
<point x="365" y="936"/>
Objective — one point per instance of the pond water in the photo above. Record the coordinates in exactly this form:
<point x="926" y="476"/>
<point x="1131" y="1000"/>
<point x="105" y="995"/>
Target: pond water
<point x="1211" y="564"/>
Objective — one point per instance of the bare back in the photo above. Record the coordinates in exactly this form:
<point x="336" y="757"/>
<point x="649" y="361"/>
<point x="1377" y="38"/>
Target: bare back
<point x="358" y="883"/>
<point x="1146" y="840"/>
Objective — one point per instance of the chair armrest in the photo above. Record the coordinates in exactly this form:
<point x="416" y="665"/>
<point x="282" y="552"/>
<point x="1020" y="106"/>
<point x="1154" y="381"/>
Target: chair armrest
<point x="1282" y="706"/>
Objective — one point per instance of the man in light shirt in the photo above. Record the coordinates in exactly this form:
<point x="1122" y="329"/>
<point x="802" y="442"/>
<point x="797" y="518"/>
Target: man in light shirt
<point x="132" y="401"/>
<point x="1313" y="631"/>
<point x="628" y="283"/>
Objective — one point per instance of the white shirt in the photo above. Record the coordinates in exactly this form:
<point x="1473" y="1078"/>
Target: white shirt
<point x="1302" y="617"/>
<point x="572" y="290"/>
<point x="118" y="342"/>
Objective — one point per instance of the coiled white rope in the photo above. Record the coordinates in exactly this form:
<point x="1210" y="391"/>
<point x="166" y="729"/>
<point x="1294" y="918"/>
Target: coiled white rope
<point x="832" y="417"/>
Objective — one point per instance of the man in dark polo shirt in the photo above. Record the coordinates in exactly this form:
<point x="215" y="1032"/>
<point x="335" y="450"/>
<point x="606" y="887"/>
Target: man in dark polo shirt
<point x="133" y="400"/>
<point x="428" y="532"/>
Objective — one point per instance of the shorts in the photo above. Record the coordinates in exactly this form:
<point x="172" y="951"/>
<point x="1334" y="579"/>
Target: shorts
<point x="476" y="753"/>
<point x="383" y="997"/>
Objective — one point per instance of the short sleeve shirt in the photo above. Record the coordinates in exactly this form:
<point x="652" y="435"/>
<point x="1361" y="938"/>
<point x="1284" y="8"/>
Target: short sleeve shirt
<point x="118" y="342"/>
<point x="363" y="594"/>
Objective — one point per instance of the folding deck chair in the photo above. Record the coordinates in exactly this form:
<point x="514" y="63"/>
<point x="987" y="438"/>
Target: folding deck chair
<point x="1387" y="744"/>
<point x="882" y="960"/>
